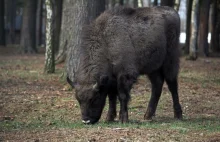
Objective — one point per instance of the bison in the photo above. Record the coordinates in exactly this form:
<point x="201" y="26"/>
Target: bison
<point x="117" y="47"/>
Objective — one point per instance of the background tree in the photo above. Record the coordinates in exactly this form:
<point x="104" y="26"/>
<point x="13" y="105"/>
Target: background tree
<point x="58" y="4"/>
<point x="112" y="3"/>
<point x="167" y="3"/>
<point x="194" y="33"/>
<point x="215" y="26"/>
<point x="11" y="6"/>
<point x="28" y="32"/>
<point x="155" y="2"/>
<point x="188" y="26"/>
<point x="68" y="30"/>
<point x="39" y="22"/>
<point x="121" y="2"/>
<point x="177" y="5"/>
<point x="2" y="22"/>
<point x="135" y="3"/>
<point x="146" y="3"/>
<point x="82" y="12"/>
<point x="203" y="27"/>
<point x="49" y="54"/>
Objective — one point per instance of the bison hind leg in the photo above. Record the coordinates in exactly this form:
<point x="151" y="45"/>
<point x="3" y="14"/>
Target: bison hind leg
<point x="157" y="80"/>
<point x="173" y="87"/>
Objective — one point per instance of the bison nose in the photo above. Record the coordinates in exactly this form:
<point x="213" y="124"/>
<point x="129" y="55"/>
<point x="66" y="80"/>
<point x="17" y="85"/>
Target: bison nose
<point x="86" y="121"/>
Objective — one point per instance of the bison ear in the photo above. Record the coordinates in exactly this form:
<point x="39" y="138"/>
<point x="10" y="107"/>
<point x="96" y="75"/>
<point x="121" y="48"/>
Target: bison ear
<point x="104" y="80"/>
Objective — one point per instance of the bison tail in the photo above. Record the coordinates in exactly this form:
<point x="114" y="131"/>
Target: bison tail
<point x="171" y="63"/>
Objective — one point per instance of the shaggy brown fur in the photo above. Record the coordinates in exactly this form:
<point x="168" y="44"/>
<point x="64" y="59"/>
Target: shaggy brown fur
<point x="120" y="45"/>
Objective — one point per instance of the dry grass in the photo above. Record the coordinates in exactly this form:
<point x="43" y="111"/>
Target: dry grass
<point x="38" y="107"/>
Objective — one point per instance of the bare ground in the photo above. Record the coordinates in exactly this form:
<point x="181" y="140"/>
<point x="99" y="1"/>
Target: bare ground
<point x="38" y="107"/>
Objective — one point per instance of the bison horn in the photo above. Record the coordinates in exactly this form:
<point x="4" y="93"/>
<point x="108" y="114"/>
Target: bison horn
<point x="95" y="86"/>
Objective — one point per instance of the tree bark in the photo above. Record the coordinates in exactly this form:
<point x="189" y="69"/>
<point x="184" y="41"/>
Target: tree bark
<point x="155" y="3"/>
<point x="113" y="3"/>
<point x="121" y="2"/>
<point x="49" y="54"/>
<point x="39" y="23"/>
<point x="58" y="4"/>
<point x="2" y="22"/>
<point x="215" y="27"/>
<point x="177" y="5"/>
<point x="203" y="27"/>
<point x="135" y="3"/>
<point x="146" y="3"/>
<point x="10" y="20"/>
<point x="28" y="32"/>
<point x="78" y="13"/>
<point x="194" y="34"/>
<point x="69" y="24"/>
<point x="167" y="3"/>
<point x="188" y="26"/>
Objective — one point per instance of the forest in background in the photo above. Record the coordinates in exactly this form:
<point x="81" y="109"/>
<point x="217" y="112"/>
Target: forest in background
<point x="55" y="25"/>
<point x="38" y="105"/>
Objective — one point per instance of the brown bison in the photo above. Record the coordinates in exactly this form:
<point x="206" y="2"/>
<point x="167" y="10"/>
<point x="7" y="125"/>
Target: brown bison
<point x="117" y="47"/>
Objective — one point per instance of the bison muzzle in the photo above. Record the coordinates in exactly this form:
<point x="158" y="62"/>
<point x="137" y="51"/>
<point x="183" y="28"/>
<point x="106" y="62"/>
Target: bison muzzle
<point x="117" y="47"/>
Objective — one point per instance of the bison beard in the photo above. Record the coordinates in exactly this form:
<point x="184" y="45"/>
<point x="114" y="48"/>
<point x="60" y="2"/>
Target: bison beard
<point x="120" y="45"/>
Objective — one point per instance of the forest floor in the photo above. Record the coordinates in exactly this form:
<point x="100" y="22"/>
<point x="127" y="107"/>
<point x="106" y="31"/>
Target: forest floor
<point x="39" y="107"/>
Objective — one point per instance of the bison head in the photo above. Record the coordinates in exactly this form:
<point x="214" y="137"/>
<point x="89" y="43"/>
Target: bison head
<point x="91" y="98"/>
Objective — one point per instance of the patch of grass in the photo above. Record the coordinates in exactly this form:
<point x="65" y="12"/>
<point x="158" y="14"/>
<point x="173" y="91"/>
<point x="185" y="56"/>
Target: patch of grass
<point x="37" y="101"/>
<point x="200" y="77"/>
<point x="199" y="124"/>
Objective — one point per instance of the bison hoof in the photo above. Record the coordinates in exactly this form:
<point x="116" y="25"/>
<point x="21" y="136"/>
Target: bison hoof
<point x="123" y="118"/>
<point x="178" y="115"/>
<point x="149" y="116"/>
<point x="110" y="119"/>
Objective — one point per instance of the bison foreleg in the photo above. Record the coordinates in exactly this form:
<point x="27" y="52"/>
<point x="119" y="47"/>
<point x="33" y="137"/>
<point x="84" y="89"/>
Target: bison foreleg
<point x="112" y="107"/>
<point x="157" y="81"/>
<point x="123" y="114"/>
<point x="125" y="83"/>
<point x="173" y="87"/>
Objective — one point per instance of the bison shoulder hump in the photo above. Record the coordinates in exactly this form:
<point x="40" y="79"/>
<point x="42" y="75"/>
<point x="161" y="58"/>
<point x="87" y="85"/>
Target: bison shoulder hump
<point x="127" y="11"/>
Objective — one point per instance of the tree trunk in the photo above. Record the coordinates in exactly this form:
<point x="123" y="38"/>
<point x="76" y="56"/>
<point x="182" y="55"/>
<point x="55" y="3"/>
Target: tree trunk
<point x="113" y="3"/>
<point x="167" y="3"/>
<point x="49" y="54"/>
<point x="135" y="3"/>
<point x="10" y="18"/>
<point x="146" y="3"/>
<point x="155" y="3"/>
<point x="110" y="3"/>
<point x="188" y="26"/>
<point x="39" y="23"/>
<point x="194" y="34"/>
<point x="78" y="13"/>
<point x="57" y="23"/>
<point x="203" y="27"/>
<point x="121" y="2"/>
<point x="68" y="22"/>
<point x="28" y="32"/>
<point x="177" y="5"/>
<point x="215" y="45"/>
<point x="2" y="22"/>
